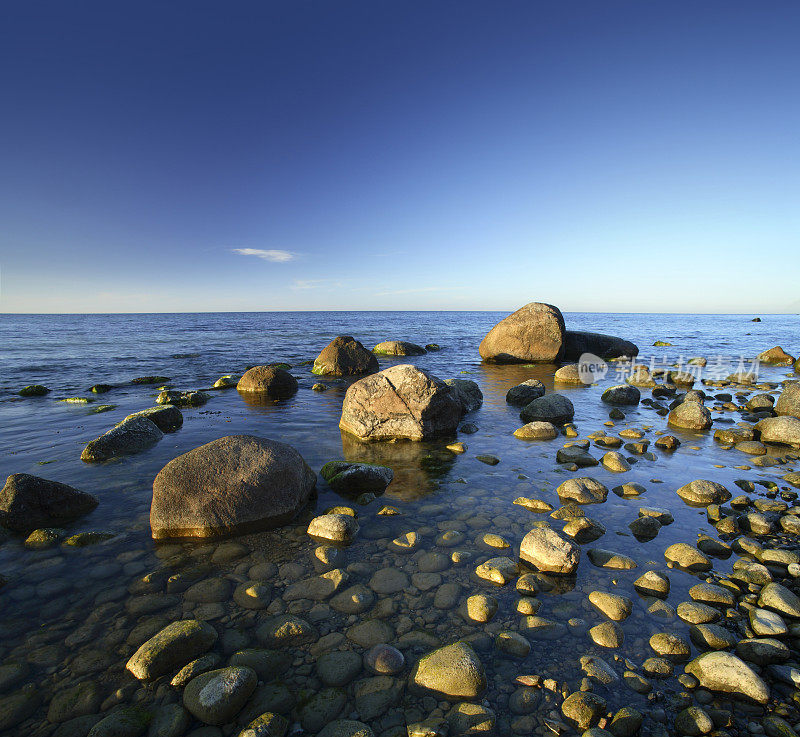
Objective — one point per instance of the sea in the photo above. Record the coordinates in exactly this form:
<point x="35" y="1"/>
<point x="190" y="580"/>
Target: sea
<point x="49" y="593"/>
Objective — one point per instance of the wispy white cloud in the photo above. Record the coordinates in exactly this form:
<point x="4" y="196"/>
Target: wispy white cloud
<point x="277" y="257"/>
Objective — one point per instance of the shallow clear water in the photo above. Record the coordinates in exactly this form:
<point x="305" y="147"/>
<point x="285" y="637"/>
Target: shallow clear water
<point x="53" y="593"/>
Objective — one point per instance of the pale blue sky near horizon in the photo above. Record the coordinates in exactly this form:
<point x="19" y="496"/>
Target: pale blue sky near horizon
<point x="613" y="157"/>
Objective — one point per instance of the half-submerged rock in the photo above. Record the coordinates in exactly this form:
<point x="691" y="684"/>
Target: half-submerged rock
<point x="270" y="381"/>
<point x="237" y="484"/>
<point x="398" y="348"/>
<point x="345" y="356"/>
<point x="578" y="342"/>
<point x="532" y="334"/>
<point x="30" y="502"/>
<point x="167" y="417"/>
<point x="132" y="435"/>
<point x="356" y="478"/>
<point x="401" y="402"/>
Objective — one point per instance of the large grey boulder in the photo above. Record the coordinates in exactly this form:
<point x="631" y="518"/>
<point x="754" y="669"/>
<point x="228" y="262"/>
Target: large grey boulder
<point x="401" y="402"/>
<point x="780" y="430"/>
<point x="578" y="342"/>
<point x="554" y="408"/>
<point x="270" y="381"/>
<point x="237" y="484"/>
<point x="467" y="392"/>
<point x="131" y="436"/>
<point x="789" y="401"/>
<point x="30" y="502"/>
<point x="345" y="356"/>
<point x="453" y="672"/>
<point x="547" y="551"/>
<point x="726" y="673"/>
<point x="532" y="334"/>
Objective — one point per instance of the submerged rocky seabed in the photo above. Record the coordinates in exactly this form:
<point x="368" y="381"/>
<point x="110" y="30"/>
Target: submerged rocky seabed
<point x="618" y="572"/>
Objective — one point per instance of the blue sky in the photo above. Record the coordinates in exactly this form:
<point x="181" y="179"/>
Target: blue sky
<point x="609" y="156"/>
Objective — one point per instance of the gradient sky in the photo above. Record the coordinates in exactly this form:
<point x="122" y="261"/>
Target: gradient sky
<point x="601" y="155"/>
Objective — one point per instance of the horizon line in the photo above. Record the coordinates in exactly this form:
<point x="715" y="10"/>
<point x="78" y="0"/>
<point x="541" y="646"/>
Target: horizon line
<point x="232" y="312"/>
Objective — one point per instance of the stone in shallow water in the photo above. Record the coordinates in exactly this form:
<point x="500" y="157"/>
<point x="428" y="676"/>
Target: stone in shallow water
<point x="536" y="431"/>
<point x="707" y="593"/>
<point x="346" y="728"/>
<point x="525" y="393"/>
<point x="129" y="437"/>
<point x="607" y="634"/>
<point x="356" y="478"/>
<point x="583" y="709"/>
<point x="711" y="637"/>
<point x="695" y="613"/>
<point x="614" y="606"/>
<point x="582" y="491"/>
<point x="480" y="608"/>
<point x="234" y="484"/>
<point x="609" y="559"/>
<point x="384" y="660"/>
<point x="28" y="502"/>
<point x="598" y="669"/>
<point x="546" y="550"/>
<point x="338" y="528"/>
<point x="702" y="492"/>
<point x="453" y="672"/>
<point x="512" y="643"/>
<point x="777" y="597"/>
<point x="670" y="646"/>
<point x="726" y="673"/>
<point x="217" y="696"/>
<point x="286" y="631"/>
<point x="338" y="668"/>
<point x="652" y="583"/>
<point x="685" y="556"/>
<point x="170" y="649"/>
<point x="766" y="623"/>
<point x="762" y="651"/>
<point x="497" y="570"/>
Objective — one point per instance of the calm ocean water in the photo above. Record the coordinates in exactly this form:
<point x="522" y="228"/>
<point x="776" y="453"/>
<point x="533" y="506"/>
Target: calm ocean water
<point x="49" y="592"/>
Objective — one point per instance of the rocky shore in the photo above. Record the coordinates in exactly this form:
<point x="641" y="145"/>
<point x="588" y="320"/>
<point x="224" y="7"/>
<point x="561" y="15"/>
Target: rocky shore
<point x="442" y="577"/>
